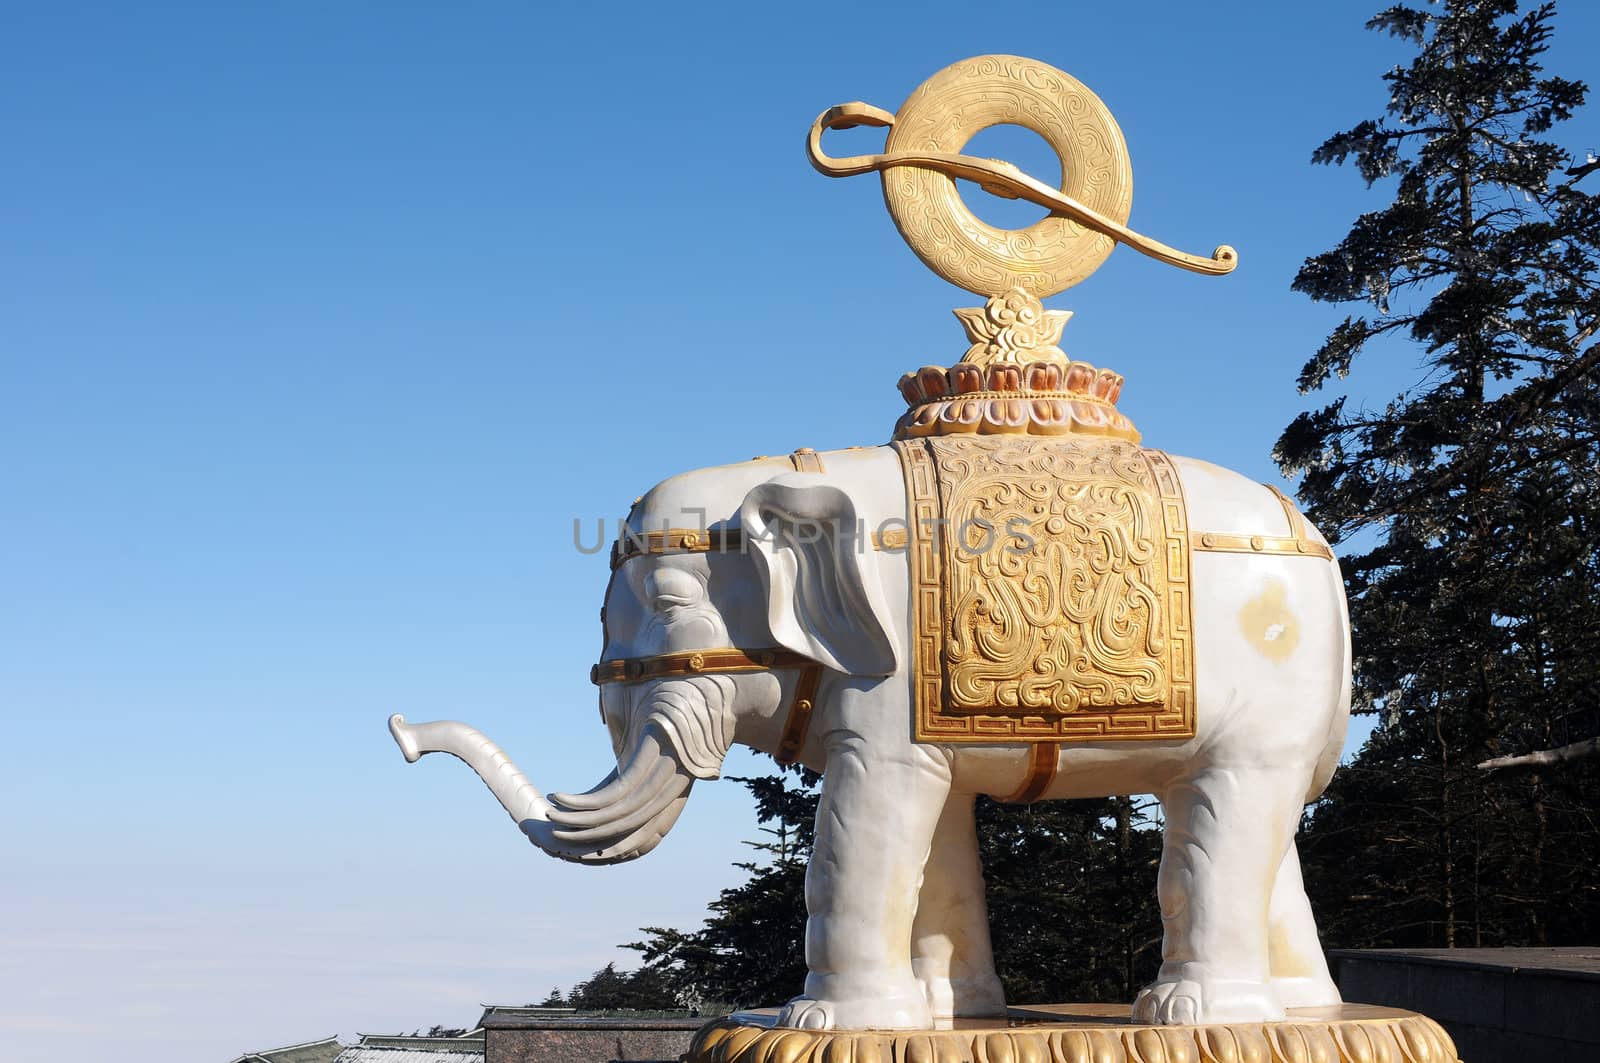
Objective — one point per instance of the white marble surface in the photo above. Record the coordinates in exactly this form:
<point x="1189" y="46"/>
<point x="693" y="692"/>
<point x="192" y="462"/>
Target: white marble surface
<point x="897" y="935"/>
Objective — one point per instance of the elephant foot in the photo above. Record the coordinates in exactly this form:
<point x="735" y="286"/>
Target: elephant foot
<point x="893" y="1007"/>
<point x="1189" y="994"/>
<point x="1307" y="992"/>
<point x="975" y="996"/>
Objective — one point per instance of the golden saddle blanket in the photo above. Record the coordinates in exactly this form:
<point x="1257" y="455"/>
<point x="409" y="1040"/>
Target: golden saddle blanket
<point x="1050" y="583"/>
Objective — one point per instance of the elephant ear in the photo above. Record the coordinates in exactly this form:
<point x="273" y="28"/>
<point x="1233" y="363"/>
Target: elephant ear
<point x="820" y="575"/>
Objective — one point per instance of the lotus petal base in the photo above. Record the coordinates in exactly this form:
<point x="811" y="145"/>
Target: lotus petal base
<point x="1088" y="1033"/>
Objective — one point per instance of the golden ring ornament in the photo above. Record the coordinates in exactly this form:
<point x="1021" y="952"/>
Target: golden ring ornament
<point x="922" y="157"/>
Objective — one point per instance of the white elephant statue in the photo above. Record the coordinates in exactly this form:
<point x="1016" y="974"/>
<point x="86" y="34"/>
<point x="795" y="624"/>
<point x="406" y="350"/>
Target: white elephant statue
<point x="791" y="620"/>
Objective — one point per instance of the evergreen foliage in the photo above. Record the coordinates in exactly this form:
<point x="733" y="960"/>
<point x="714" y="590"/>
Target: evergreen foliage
<point x="1071" y="894"/>
<point x="1469" y="504"/>
<point x="750" y="952"/>
<point x="609" y="989"/>
<point x="1071" y="888"/>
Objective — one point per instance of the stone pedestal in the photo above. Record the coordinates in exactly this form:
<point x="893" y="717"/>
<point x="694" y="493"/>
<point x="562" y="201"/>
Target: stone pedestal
<point x="1090" y="1033"/>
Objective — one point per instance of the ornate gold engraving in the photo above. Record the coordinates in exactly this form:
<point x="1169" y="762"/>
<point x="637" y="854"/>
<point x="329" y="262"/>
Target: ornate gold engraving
<point x="951" y="107"/>
<point x="1089" y="1033"/>
<point x="1050" y="581"/>
<point x="1013" y="327"/>
<point x="922" y="157"/>
<point x="1013" y="380"/>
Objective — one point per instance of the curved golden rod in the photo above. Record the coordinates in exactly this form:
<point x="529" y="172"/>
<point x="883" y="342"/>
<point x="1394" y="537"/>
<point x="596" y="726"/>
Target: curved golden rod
<point x="998" y="178"/>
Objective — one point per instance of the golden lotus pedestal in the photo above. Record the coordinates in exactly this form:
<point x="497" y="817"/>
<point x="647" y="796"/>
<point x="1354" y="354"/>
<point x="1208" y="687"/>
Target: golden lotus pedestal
<point x="1089" y="1033"/>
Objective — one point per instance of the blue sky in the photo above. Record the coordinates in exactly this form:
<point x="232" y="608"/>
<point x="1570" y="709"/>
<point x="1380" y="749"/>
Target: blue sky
<point x="319" y="325"/>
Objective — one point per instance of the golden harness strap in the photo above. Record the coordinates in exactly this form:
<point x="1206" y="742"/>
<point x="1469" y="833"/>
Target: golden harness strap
<point x="723" y="661"/>
<point x="1298" y="541"/>
<point x="717" y="541"/>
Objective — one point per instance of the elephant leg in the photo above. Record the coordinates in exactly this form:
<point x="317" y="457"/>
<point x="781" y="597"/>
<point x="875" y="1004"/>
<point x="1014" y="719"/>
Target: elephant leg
<point x="1225" y="837"/>
<point x="1294" y="951"/>
<point x="875" y="823"/>
<point x="950" y="951"/>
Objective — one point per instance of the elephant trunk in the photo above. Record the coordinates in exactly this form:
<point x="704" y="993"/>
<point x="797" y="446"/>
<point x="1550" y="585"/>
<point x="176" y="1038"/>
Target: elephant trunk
<point x="510" y="787"/>
<point x="623" y="818"/>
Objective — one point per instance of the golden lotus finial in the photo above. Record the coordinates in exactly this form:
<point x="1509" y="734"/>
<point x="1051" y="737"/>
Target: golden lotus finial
<point x="921" y="157"/>
<point x="1014" y="379"/>
<point x="1013" y="327"/>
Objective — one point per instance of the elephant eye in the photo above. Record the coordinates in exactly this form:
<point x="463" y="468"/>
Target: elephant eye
<point x="670" y="608"/>
<point x="669" y="590"/>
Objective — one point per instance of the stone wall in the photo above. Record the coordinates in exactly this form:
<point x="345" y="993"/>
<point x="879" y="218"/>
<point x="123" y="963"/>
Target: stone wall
<point x="524" y="1039"/>
<point x="1499" y="1005"/>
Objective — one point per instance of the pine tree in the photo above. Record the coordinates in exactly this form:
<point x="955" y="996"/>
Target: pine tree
<point x="1469" y="503"/>
<point x="609" y="989"/>
<point x="1071" y="896"/>
<point x="750" y="952"/>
